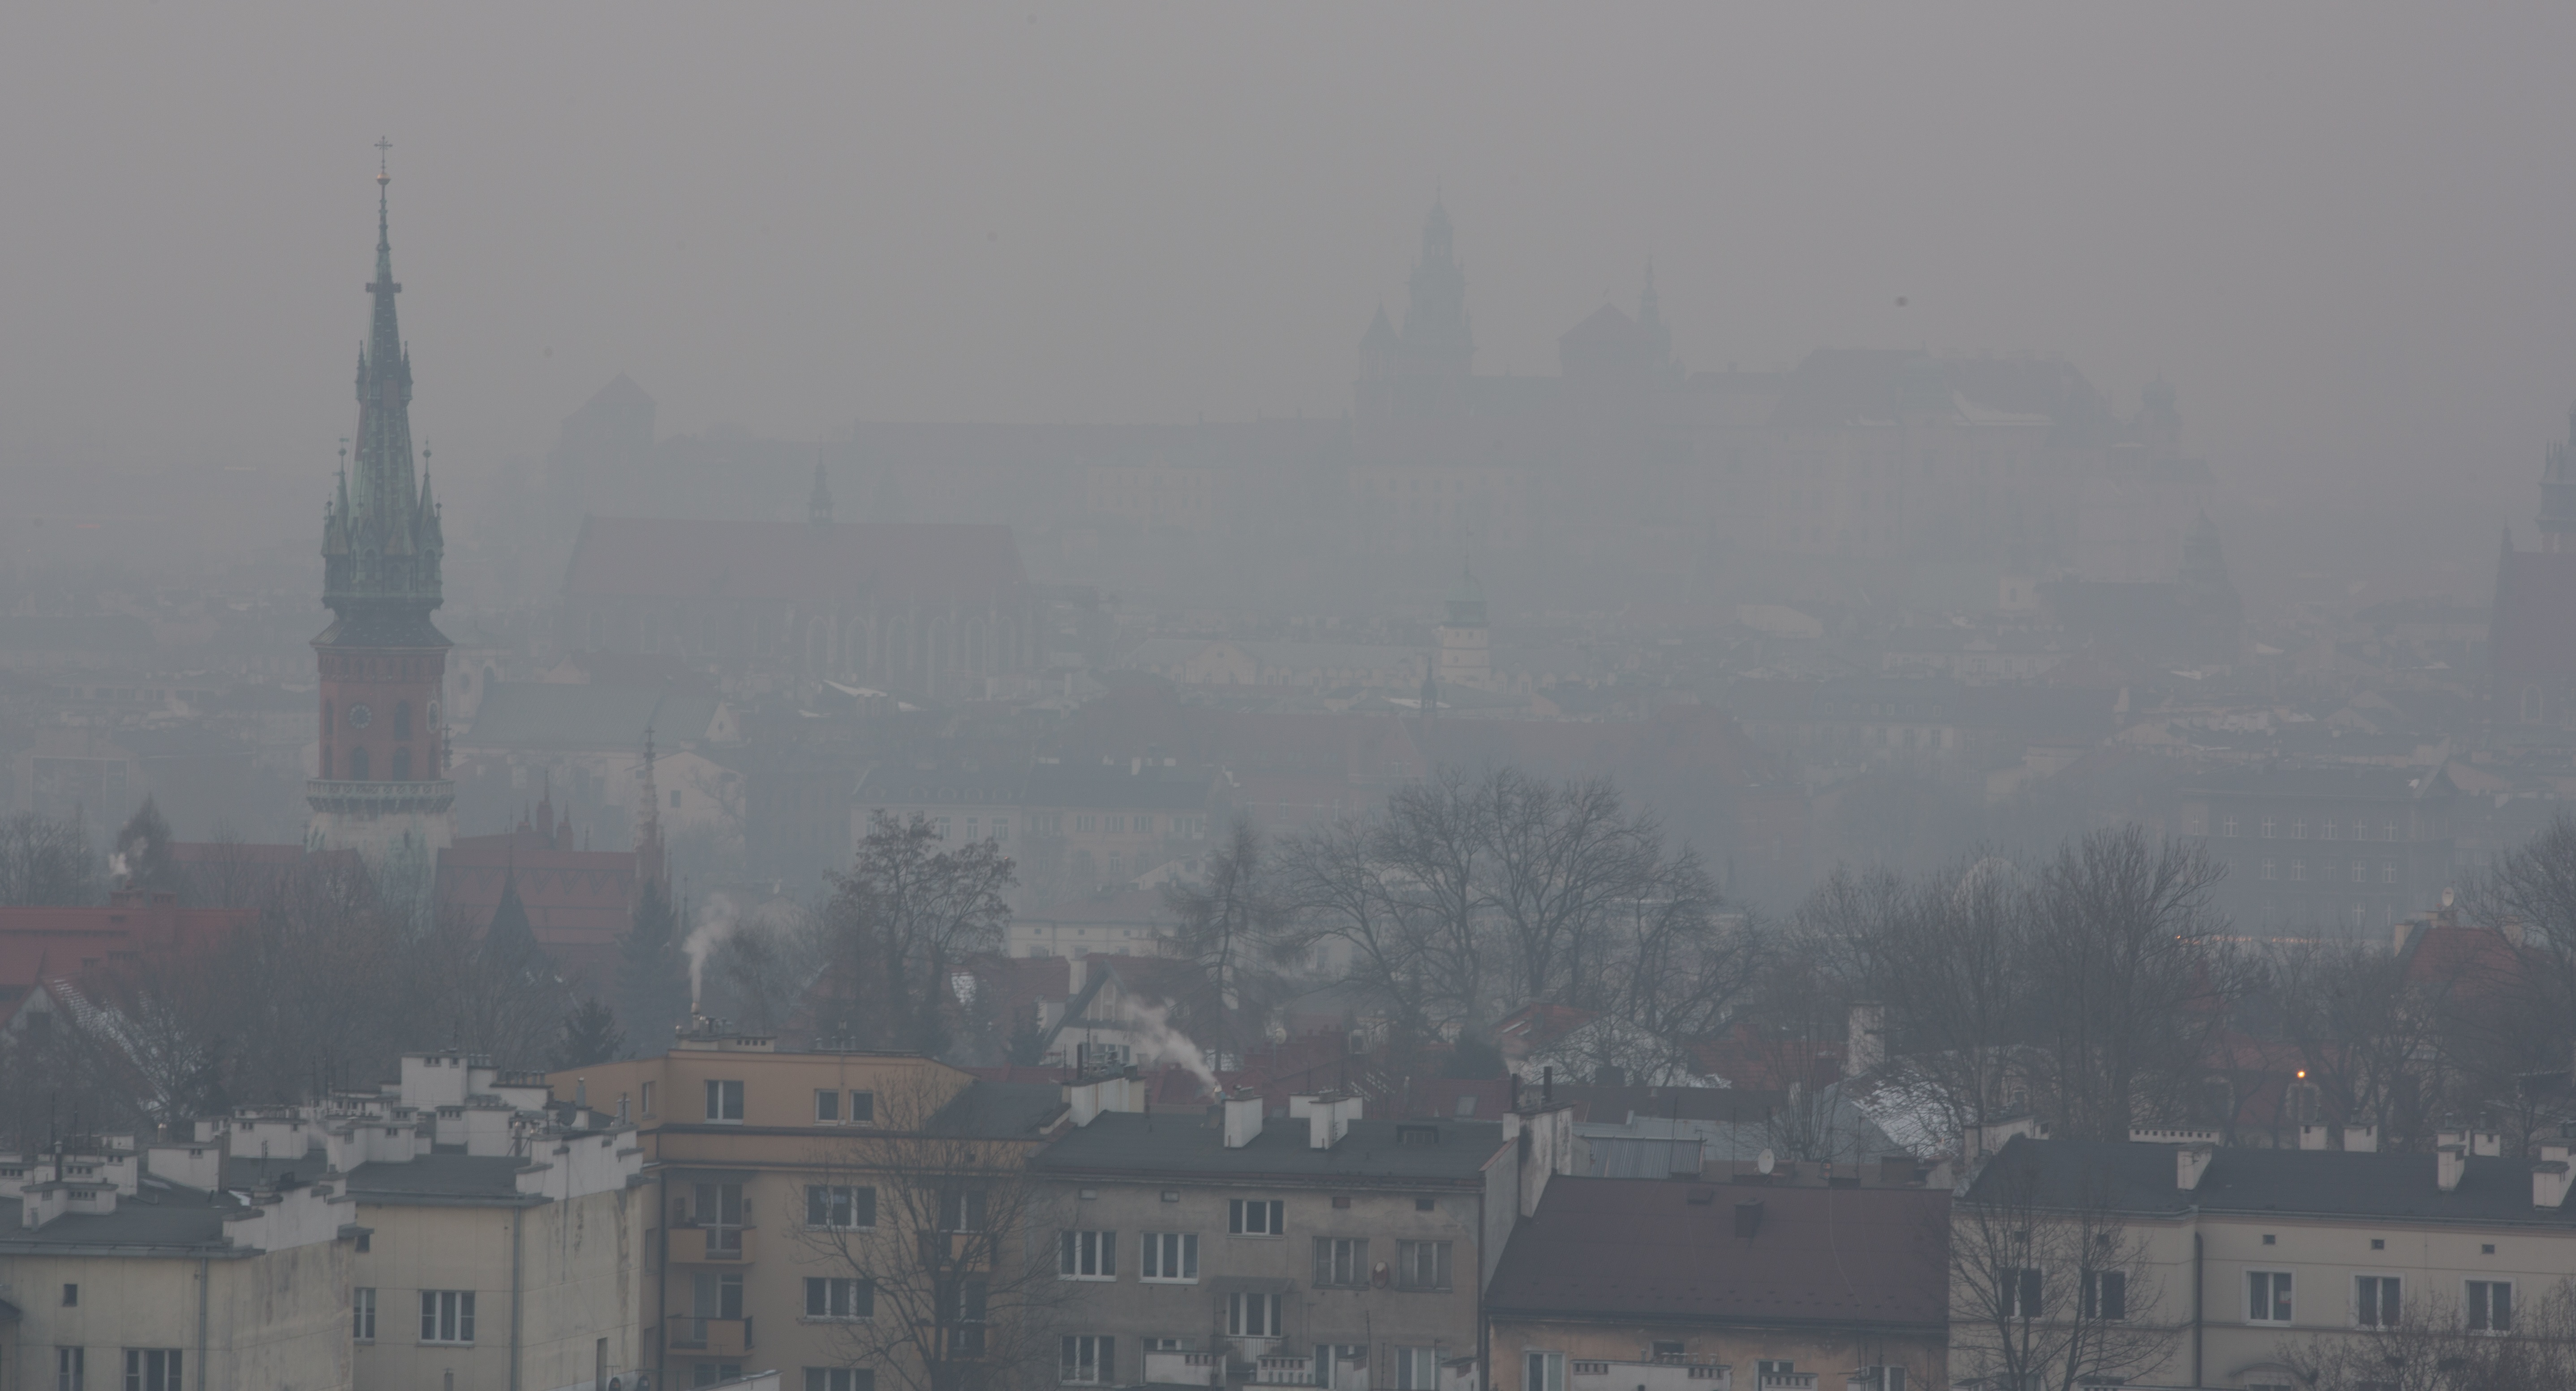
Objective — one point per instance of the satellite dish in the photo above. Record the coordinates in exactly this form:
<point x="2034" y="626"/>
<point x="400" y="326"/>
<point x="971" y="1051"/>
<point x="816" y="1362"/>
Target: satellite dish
<point x="1765" y="1160"/>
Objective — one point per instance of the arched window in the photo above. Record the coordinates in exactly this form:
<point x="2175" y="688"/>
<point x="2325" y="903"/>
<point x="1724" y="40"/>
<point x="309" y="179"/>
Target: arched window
<point x="326" y="719"/>
<point x="326" y="763"/>
<point x="402" y="719"/>
<point x="402" y="764"/>
<point x="358" y="763"/>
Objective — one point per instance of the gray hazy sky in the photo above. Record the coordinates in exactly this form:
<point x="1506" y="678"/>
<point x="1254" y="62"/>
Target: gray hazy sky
<point x="2343" y="231"/>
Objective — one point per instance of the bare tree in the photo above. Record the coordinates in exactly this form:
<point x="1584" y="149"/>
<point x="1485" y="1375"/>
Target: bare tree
<point x="2431" y="1346"/>
<point x="2049" y="1290"/>
<point x="903" y="921"/>
<point x="2129" y="967"/>
<point x="2365" y="1032"/>
<point x="940" y="1245"/>
<point x="1564" y="858"/>
<point x="46" y="861"/>
<point x="1339" y="893"/>
<point x="1233" y="922"/>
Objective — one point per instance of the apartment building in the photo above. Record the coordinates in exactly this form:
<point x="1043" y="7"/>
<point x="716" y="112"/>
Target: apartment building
<point x="456" y="1227"/>
<point x="2248" y="1257"/>
<point x="758" y="1163"/>
<point x="1314" y="1247"/>
<point x="118" y="1272"/>
<point x="1673" y="1284"/>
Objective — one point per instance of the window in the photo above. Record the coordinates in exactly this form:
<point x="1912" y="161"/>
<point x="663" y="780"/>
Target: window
<point x="358" y="761"/>
<point x="2375" y="1302"/>
<point x="724" y="1101"/>
<point x="152" y="1369"/>
<point x="2298" y="870"/>
<point x="974" y="828"/>
<point x="840" y="1206"/>
<point x="942" y="823"/>
<point x="2022" y="1288"/>
<point x="1775" y="1367"/>
<point x="1252" y="1315"/>
<point x="675" y="799"/>
<point x="1542" y="1371"/>
<point x="1341" y="1260"/>
<point x="840" y="1379"/>
<point x="1082" y="824"/>
<point x="2267" y="1296"/>
<point x="966" y="1337"/>
<point x="715" y="1296"/>
<point x="2106" y="1295"/>
<point x="362" y="1314"/>
<point x="1001" y="830"/>
<point x="1089" y="1360"/>
<point x="648" y="1098"/>
<point x="2388" y="871"/>
<point x="71" y="1368"/>
<point x="827" y="1108"/>
<point x="1422" y="1265"/>
<point x="1255" y="1217"/>
<point x="1170" y="1256"/>
<point x="2267" y="870"/>
<point x="961" y="1210"/>
<point x="2490" y="1306"/>
<point x="719" y="1207"/>
<point x="447" y="1316"/>
<point x="402" y="719"/>
<point x="71" y="1296"/>
<point x="1418" y="1369"/>
<point x="1087" y="1255"/>
<point x="863" y="1108"/>
<point x="703" y="1373"/>
<point x="2227" y="826"/>
<point x="2299" y="829"/>
<point x="2388" y="830"/>
<point x="840" y="1297"/>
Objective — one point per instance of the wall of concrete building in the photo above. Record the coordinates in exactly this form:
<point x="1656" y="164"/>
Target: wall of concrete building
<point x="1829" y="1353"/>
<point x="276" y="1319"/>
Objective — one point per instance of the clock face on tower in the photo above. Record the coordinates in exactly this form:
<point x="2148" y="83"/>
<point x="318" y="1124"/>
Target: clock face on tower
<point x="358" y="717"/>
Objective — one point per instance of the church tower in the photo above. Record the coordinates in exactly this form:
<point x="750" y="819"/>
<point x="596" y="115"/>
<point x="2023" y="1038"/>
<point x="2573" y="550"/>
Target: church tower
<point x="383" y="790"/>
<point x="1466" y="656"/>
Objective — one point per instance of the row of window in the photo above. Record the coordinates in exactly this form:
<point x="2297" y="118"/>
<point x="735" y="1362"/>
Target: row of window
<point x="2269" y="827"/>
<point x="832" y="1106"/>
<point x="2378" y="1301"/>
<point x="446" y="1316"/>
<point x="1173" y="1257"/>
<point x="1091" y="1359"/>
<point x="2357" y="870"/>
<point x="146" y="1369"/>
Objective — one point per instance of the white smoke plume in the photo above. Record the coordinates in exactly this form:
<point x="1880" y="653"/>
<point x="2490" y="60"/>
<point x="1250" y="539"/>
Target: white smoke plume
<point x="1156" y="1038"/>
<point x="718" y="916"/>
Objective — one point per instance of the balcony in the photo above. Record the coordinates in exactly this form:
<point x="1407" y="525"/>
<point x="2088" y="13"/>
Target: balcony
<point x="1185" y="1368"/>
<point x="1789" y="1381"/>
<point x="1277" y="1369"/>
<point x="728" y="1337"/>
<point x="712" y="1245"/>
<point x="1596" y="1375"/>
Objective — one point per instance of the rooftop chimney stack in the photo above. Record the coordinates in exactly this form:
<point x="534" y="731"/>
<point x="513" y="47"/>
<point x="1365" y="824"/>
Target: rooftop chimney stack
<point x="2191" y="1164"/>
<point x="2312" y="1137"/>
<point x="2450" y="1161"/>
<point x="1242" y="1121"/>
<point x="2361" y="1139"/>
<point x="2549" y="1177"/>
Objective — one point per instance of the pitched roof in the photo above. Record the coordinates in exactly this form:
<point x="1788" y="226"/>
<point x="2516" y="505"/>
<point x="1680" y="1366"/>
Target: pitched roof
<point x="1660" y="1250"/>
<point x="1180" y="1143"/>
<point x="2139" y="1179"/>
<point x="970" y="565"/>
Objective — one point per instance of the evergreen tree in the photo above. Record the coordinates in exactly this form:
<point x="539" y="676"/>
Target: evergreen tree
<point x="143" y="850"/>
<point x="652" y="975"/>
<point x="590" y="1035"/>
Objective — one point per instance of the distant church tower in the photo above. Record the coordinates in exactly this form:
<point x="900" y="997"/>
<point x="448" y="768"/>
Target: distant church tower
<point x="1466" y="657"/>
<point x="383" y="790"/>
<point x="1423" y="366"/>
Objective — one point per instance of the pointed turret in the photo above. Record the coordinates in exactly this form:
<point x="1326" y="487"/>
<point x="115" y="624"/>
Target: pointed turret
<point x="381" y="544"/>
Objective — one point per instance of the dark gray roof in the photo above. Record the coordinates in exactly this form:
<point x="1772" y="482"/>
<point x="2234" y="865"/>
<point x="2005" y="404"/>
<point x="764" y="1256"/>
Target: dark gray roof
<point x="1002" y="1110"/>
<point x="438" y="1176"/>
<point x="1182" y="1143"/>
<point x="2139" y="1179"/>
<point x="165" y="1216"/>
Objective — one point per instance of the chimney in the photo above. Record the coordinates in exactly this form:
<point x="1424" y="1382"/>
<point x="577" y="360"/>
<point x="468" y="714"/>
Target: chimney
<point x="2449" y="1162"/>
<point x="2312" y="1137"/>
<point x="2549" y="1177"/>
<point x="1865" y="1040"/>
<point x="2486" y="1144"/>
<point x="2361" y="1139"/>
<point x="1242" y="1121"/>
<point x="581" y="1094"/>
<point x="2191" y="1162"/>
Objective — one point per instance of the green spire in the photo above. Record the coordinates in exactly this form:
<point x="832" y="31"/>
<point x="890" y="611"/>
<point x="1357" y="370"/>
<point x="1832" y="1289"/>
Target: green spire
<point x="381" y="541"/>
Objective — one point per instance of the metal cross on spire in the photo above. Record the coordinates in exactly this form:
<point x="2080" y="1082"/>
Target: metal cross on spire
<point x="382" y="146"/>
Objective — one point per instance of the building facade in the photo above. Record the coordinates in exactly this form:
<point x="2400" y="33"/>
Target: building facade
<point x="383" y="789"/>
<point x="1313" y="1248"/>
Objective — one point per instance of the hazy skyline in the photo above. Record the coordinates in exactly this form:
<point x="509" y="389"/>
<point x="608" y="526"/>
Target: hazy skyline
<point x="2337" y="232"/>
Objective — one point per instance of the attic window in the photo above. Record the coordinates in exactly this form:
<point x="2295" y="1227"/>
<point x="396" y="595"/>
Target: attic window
<point x="1467" y="1104"/>
<point x="1417" y="1135"/>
